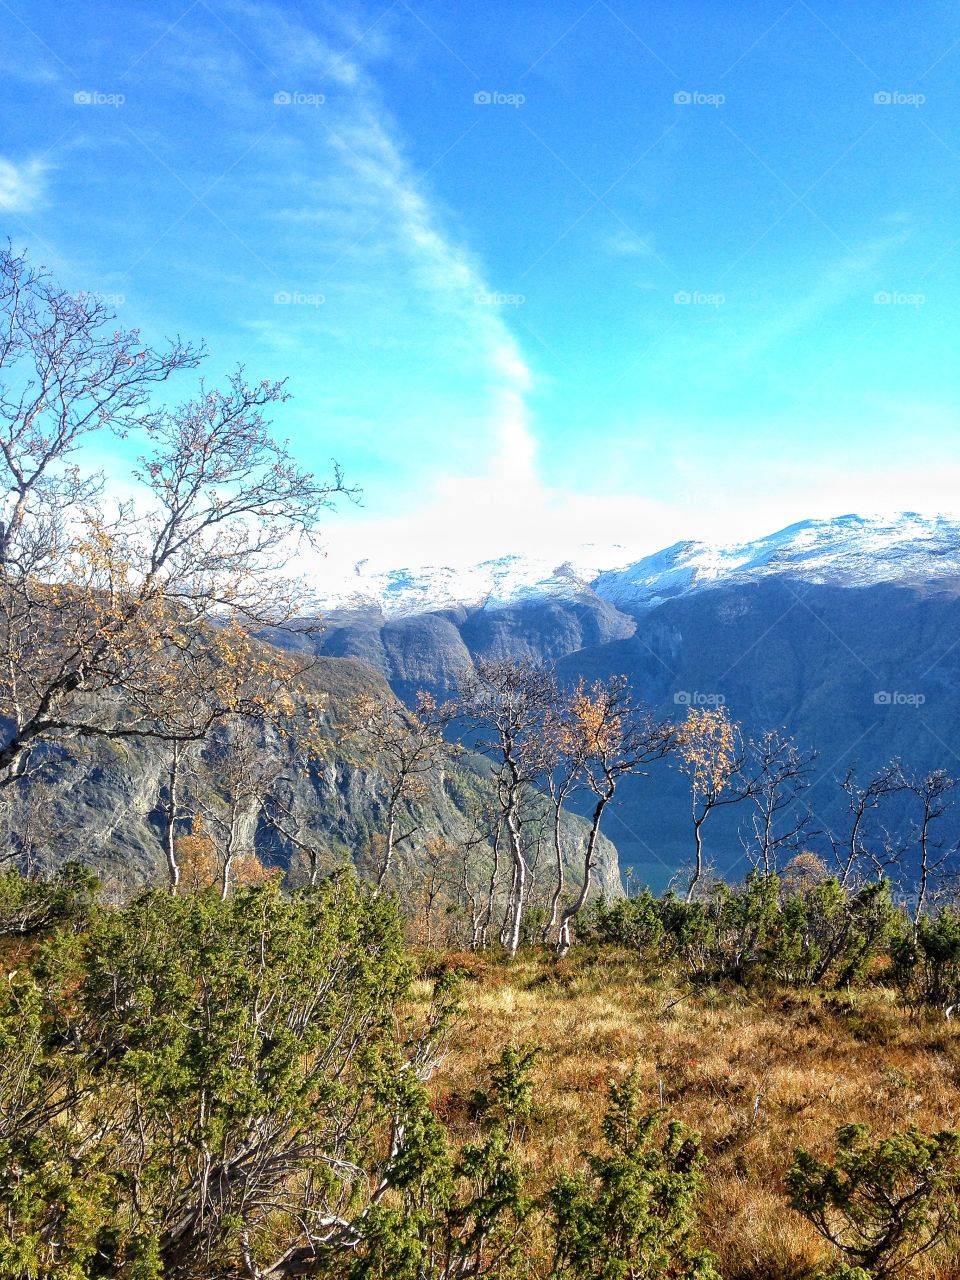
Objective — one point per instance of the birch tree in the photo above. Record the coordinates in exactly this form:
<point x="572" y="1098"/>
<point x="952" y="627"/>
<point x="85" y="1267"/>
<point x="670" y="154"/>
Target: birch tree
<point x="116" y="617"/>
<point x="779" y="824"/>
<point x="712" y="756"/>
<point x="406" y="745"/>
<point x="931" y="793"/>
<point x="508" y="704"/>
<point x="857" y="845"/>
<point x="564" y="776"/>
<point x="609" y="736"/>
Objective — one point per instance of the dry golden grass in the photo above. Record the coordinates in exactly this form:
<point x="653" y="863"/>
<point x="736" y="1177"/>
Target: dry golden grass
<point x="756" y="1073"/>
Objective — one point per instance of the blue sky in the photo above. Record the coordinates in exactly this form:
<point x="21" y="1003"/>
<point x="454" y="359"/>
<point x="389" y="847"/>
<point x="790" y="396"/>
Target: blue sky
<point x="539" y="275"/>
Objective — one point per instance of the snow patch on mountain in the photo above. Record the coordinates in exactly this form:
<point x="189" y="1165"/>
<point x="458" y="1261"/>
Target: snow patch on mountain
<point x="491" y="584"/>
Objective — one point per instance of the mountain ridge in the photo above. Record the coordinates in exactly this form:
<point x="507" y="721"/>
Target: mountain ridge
<point x="846" y="550"/>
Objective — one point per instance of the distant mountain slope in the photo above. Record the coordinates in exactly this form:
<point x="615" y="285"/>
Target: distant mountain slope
<point x="431" y="650"/>
<point x="845" y="631"/>
<point x="860" y="674"/>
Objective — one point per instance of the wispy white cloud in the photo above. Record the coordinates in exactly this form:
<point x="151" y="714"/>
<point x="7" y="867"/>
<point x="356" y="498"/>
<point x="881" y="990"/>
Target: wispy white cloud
<point x="627" y="244"/>
<point x="452" y="283"/>
<point x="412" y="357"/>
<point x="22" y="186"/>
<point x="382" y="236"/>
<point x="461" y="515"/>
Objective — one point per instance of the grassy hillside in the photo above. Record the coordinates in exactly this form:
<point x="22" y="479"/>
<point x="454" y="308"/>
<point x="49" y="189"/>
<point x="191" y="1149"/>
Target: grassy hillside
<point x="757" y="1072"/>
<point x="277" y="1086"/>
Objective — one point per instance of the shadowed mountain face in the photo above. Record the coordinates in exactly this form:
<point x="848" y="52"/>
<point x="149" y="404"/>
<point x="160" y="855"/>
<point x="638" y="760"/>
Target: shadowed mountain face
<point x="859" y="674"/>
<point x="847" y="636"/>
<point x="431" y="651"/>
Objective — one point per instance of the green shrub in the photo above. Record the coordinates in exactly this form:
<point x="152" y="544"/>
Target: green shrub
<point x="820" y="935"/>
<point x="450" y="1212"/>
<point x="927" y="966"/>
<point x="633" y="1216"/>
<point x="31" y="906"/>
<point x="634" y="923"/>
<point x="881" y="1204"/>
<point x="189" y="1082"/>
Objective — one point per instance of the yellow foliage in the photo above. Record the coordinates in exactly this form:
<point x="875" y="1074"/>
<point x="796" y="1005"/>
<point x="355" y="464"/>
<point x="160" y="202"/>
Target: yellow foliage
<point x="201" y="866"/>
<point x="803" y="873"/>
<point x="197" y="858"/>
<point x="707" y="746"/>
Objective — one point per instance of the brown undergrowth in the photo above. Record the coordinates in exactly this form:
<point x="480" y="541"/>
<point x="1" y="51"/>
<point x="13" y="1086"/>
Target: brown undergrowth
<point x="758" y="1072"/>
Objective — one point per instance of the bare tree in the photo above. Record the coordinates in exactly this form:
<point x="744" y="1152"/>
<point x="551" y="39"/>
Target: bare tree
<point x="173" y="809"/>
<point x="609" y="736"/>
<point x="858" y="844"/>
<point x="65" y="373"/>
<point x="713" y="757"/>
<point x="121" y="619"/>
<point x="405" y="745"/>
<point x="779" y="824"/>
<point x="436" y="877"/>
<point x="486" y="838"/>
<point x="471" y="890"/>
<point x="237" y="773"/>
<point x="478" y="871"/>
<point x="508" y="702"/>
<point x="564" y="775"/>
<point x="298" y="821"/>
<point x="32" y="833"/>
<point x="931" y="792"/>
<point x="257" y="691"/>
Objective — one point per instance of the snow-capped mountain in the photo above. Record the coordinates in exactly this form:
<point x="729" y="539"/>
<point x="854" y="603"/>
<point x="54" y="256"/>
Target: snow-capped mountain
<point x="847" y="550"/>
<point x="489" y="585"/>
<point x="850" y="551"/>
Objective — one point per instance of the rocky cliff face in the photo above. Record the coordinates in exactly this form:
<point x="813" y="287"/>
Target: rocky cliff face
<point x="106" y="806"/>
